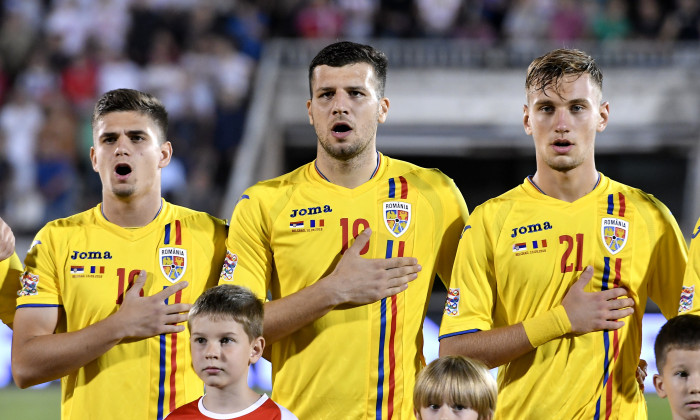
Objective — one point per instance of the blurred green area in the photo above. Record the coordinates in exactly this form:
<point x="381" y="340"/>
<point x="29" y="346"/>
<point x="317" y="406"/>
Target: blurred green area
<point x="32" y="404"/>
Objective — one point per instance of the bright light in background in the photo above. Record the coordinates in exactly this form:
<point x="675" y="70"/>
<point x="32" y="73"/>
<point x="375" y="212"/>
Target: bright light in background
<point x="261" y="372"/>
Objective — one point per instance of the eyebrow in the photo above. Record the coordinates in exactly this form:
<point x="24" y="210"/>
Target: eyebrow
<point x="569" y="102"/>
<point x="128" y="133"/>
<point x="327" y="89"/>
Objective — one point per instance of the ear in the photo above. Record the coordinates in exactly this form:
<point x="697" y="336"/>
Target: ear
<point x="659" y="385"/>
<point x="417" y="414"/>
<point x="383" y="109"/>
<point x="308" y="109"/>
<point x="604" y="112"/>
<point x="526" y="120"/>
<point x="93" y="158"/>
<point x="166" y="152"/>
<point x="256" y="350"/>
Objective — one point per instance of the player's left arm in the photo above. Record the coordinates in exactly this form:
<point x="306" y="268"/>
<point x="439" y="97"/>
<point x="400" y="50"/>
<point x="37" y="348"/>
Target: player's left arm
<point x="691" y="278"/>
<point x="668" y="263"/>
<point x="455" y="215"/>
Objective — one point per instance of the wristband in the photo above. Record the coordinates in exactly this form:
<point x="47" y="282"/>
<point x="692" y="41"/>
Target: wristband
<point x="547" y="326"/>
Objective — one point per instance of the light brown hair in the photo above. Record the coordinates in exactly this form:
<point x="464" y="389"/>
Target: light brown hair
<point x="456" y="380"/>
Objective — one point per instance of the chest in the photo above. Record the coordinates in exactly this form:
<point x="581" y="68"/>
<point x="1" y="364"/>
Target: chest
<point x="542" y="250"/>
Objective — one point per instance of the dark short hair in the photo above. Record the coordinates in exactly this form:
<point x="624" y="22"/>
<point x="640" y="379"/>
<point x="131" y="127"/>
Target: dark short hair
<point x="345" y="53"/>
<point x="548" y="70"/>
<point x="119" y="100"/>
<point x="228" y="301"/>
<point x="679" y="333"/>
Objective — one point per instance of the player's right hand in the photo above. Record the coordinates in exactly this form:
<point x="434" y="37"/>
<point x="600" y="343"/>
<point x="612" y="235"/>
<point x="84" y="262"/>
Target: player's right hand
<point x="596" y="311"/>
<point x="7" y="241"/>
<point x="363" y="280"/>
<point x="149" y="316"/>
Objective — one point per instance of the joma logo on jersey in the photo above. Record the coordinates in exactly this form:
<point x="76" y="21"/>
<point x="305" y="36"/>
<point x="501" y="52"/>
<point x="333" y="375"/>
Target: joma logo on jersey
<point x="537" y="227"/>
<point x="310" y="211"/>
<point x="91" y="255"/>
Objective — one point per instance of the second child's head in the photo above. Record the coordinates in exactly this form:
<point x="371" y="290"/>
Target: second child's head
<point x="455" y="387"/>
<point x="226" y="335"/>
<point x="677" y="351"/>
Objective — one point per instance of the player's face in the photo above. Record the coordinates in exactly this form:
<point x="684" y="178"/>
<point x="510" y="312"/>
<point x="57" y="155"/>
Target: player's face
<point x="222" y="351"/>
<point x="445" y="412"/>
<point x="345" y="109"/>
<point x="564" y="123"/>
<point x="128" y="153"/>
<point x="680" y="382"/>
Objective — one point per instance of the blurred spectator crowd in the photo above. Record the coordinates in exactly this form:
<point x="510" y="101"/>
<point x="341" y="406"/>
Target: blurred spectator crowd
<point x="199" y="57"/>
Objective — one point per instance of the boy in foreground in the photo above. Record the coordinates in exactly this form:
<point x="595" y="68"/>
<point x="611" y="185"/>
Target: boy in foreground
<point x="677" y="350"/>
<point x="226" y="338"/>
<point x="455" y="387"/>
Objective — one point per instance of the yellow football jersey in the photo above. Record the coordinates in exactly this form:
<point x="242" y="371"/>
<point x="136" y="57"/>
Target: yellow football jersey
<point x="84" y="264"/>
<point x="287" y="233"/>
<point x="10" y="271"/>
<point x="691" y="281"/>
<point x="518" y="256"/>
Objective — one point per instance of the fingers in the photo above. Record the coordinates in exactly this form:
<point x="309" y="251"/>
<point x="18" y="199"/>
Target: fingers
<point x="136" y="288"/>
<point x="360" y="242"/>
<point x="399" y="262"/>
<point x="171" y="290"/>
<point x="585" y="277"/>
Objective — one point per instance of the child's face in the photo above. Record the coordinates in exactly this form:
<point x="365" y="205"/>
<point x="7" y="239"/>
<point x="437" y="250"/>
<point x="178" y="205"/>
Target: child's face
<point x="680" y="382"/>
<point x="222" y="351"/>
<point x="445" y="412"/>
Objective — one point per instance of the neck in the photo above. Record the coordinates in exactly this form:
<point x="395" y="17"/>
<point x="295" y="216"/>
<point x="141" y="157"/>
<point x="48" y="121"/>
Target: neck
<point x="131" y="212"/>
<point x="567" y="186"/>
<point x="349" y="173"/>
<point x="229" y="399"/>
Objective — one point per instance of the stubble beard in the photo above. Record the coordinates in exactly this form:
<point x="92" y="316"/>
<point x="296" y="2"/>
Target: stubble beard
<point x="125" y="191"/>
<point x="564" y="165"/>
<point x="343" y="151"/>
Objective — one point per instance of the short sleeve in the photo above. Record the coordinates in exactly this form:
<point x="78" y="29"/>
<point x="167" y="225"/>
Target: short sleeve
<point x="248" y="255"/>
<point x="470" y="295"/>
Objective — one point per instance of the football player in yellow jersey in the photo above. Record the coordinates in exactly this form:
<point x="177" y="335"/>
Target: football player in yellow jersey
<point x="347" y="248"/>
<point x="10" y="270"/>
<point x="551" y="278"/>
<point x="105" y="291"/>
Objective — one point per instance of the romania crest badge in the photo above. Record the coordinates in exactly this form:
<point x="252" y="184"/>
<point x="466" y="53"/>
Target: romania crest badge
<point x="614" y="233"/>
<point x="397" y="217"/>
<point x="173" y="263"/>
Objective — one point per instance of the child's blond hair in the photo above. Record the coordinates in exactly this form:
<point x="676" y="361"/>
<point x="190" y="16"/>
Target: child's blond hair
<point x="457" y="381"/>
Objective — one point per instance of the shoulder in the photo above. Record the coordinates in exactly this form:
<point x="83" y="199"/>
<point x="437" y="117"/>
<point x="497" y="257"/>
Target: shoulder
<point x="503" y="202"/>
<point x="195" y="217"/>
<point x="426" y="180"/>
<point x="280" y="183"/>
<point x="285" y="414"/>
<point x="642" y="201"/>
<point x="189" y="411"/>
<point x="67" y="226"/>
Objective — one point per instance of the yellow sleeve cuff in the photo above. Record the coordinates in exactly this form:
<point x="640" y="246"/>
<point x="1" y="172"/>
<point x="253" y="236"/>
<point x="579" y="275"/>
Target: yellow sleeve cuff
<point x="547" y="326"/>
